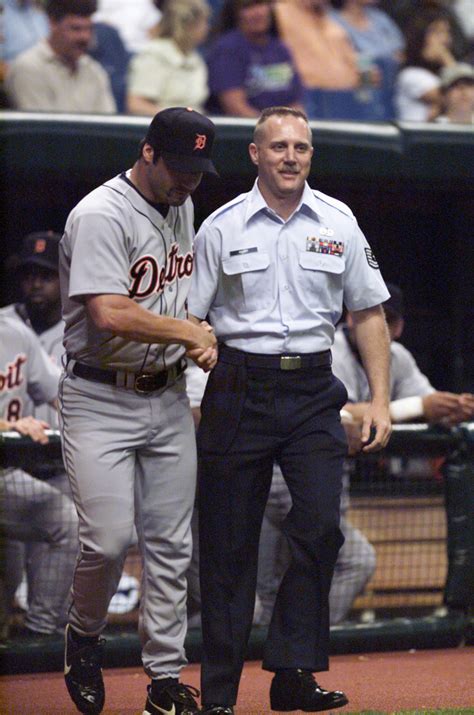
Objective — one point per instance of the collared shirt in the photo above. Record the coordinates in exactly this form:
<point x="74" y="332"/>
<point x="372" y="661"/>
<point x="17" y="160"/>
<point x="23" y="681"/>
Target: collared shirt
<point x="275" y="286"/>
<point x="38" y="80"/>
<point x="406" y="379"/>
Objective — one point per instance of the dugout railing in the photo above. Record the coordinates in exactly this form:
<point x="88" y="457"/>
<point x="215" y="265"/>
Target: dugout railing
<point x="414" y="502"/>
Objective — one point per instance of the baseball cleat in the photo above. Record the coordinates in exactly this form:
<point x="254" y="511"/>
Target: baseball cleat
<point x="83" y="673"/>
<point x="217" y="710"/>
<point x="174" y="699"/>
<point x="296" y="689"/>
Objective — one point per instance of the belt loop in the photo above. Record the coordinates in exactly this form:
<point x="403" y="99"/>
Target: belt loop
<point x="69" y="367"/>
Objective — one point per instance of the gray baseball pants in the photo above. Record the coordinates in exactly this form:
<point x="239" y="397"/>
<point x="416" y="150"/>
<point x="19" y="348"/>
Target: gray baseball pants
<point x="46" y="510"/>
<point x="131" y="459"/>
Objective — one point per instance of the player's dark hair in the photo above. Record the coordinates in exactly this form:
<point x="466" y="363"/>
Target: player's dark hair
<point x="156" y="152"/>
<point x="58" y="9"/>
<point x="277" y="112"/>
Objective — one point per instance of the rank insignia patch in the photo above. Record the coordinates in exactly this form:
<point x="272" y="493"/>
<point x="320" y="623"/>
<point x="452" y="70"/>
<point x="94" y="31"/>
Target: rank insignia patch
<point x="324" y="245"/>
<point x="371" y="260"/>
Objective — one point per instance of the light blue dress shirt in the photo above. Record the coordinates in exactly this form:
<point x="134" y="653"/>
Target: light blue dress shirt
<point x="273" y="286"/>
<point x="23" y="27"/>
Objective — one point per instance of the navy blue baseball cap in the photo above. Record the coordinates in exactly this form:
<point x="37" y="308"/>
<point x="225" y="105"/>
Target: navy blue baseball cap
<point x="184" y="138"/>
<point x="40" y="249"/>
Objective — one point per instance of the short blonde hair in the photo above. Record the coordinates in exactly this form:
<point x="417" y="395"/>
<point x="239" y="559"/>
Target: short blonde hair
<point x="178" y="15"/>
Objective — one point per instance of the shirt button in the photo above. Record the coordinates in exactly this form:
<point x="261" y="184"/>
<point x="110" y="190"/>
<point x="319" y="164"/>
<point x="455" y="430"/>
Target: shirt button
<point x="283" y="258"/>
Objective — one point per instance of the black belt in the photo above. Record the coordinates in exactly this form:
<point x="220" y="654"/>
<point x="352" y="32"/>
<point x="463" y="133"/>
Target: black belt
<point x="141" y="382"/>
<point x="290" y="361"/>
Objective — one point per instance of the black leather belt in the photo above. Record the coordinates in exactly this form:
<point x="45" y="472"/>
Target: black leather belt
<point x="141" y="382"/>
<point x="290" y="361"/>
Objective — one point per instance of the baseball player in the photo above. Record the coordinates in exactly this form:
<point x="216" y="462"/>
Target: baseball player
<point x="28" y="375"/>
<point x="126" y="259"/>
<point x="38" y="277"/>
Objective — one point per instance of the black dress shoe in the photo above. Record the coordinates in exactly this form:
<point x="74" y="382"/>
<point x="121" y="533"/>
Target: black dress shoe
<point x="217" y="710"/>
<point x="296" y="689"/>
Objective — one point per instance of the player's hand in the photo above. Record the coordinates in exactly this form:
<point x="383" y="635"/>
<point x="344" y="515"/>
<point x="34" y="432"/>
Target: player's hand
<point x="205" y="359"/>
<point x="201" y="337"/>
<point x="376" y="428"/>
<point x="442" y="407"/>
<point x="31" y="427"/>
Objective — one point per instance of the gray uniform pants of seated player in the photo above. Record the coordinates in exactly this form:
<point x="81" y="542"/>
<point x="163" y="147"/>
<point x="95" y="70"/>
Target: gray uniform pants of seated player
<point x="355" y="562"/>
<point x="49" y="561"/>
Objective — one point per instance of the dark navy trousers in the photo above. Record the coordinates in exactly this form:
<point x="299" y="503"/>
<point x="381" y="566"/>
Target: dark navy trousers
<point x="253" y="414"/>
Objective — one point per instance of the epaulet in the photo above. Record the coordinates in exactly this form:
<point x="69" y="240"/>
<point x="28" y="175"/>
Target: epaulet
<point x="335" y="203"/>
<point x="225" y="208"/>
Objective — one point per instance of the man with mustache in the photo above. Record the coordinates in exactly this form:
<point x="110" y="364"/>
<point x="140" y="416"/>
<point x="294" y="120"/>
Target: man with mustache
<point x="273" y="269"/>
<point x="57" y="74"/>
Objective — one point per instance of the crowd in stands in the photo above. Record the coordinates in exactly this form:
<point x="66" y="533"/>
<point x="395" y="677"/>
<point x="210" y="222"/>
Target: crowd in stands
<point x="338" y="59"/>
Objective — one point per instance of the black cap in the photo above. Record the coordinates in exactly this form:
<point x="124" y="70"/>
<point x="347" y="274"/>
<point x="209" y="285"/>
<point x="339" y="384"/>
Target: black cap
<point x="184" y="139"/>
<point x="40" y="249"/>
<point x="394" y="305"/>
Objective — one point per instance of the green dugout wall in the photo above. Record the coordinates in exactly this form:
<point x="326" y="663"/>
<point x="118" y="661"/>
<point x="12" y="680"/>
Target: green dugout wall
<point x="410" y="186"/>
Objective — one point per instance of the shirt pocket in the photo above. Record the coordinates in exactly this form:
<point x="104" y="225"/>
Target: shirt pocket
<point x="246" y="280"/>
<point x="322" y="280"/>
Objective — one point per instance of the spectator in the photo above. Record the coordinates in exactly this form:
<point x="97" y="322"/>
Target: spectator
<point x="428" y="50"/>
<point x="108" y="49"/>
<point x="57" y="74"/>
<point x="457" y="93"/>
<point x="249" y="67"/>
<point x="34" y="508"/>
<point x="379" y="44"/>
<point x="134" y="20"/>
<point x="412" y="398"/>
<point x="24" y="23"/>
<point x="402" y="11"/>
<point x="169" y="71"/>
<point x="323" y="55"/>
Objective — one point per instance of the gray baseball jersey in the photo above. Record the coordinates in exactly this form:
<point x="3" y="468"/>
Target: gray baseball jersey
<point x="52" y="343"/>
<point x="117" y="242"/>
<point x="406" y="379"/>
<point x="25" y="370"/>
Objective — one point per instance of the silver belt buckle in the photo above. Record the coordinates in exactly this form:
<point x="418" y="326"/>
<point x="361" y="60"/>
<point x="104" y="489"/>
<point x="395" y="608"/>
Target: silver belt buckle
<point x="290" y="362"/>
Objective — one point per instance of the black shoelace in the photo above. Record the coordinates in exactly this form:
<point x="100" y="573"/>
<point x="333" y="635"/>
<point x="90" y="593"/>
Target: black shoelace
<point x="184" y="694"/>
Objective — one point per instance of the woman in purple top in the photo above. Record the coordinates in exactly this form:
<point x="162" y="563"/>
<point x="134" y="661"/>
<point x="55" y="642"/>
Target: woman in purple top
<point x="249" y="66"/>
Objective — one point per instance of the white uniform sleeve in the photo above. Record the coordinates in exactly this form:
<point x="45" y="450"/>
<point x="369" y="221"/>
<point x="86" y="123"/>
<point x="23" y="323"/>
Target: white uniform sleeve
<point x="363" y="283"/>
<point x="42" y="374"/>
<point x="205" y="278"/>
<point x="97" y="248"/>
<point x="408" y="380"/>
<point x="344" y="366"/>
<point x="196" y="381"/>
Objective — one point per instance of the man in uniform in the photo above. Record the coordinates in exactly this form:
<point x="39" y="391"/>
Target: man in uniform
<point x="28" y="378"/>
<point x="273" y="301"/>
<point x="126" y="259"/>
